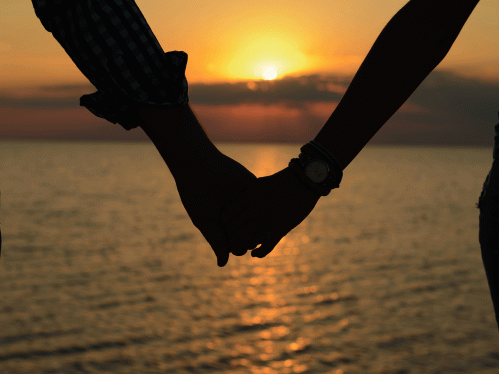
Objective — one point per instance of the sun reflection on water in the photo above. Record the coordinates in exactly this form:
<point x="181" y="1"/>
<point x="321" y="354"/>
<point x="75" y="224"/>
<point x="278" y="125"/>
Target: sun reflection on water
<point x="266" y="163"/>
<point x="98" y="297"/>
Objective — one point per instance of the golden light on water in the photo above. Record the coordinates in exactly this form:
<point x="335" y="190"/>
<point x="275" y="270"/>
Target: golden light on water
<point x="266" y="162"/>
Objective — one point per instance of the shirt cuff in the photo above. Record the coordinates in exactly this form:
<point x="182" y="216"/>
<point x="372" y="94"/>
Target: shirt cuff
<point x="121" y="105"/>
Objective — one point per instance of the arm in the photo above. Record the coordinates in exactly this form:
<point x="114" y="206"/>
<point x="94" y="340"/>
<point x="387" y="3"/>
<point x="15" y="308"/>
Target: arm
<point x="411" y="45"/>
<point x="409" y="48"/>
<point x="207" y="180"/>
<point x="178" y="136"/>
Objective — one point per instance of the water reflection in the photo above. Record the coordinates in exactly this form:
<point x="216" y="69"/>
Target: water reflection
<point x="109" y="275"/>
<point x="266" y="162"/>
<point x="276" y="300"/>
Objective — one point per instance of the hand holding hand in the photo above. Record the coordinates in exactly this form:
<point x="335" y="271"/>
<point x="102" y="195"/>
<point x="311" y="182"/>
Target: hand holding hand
<point x="275" y="204"/>
<point x="218" y="181"/>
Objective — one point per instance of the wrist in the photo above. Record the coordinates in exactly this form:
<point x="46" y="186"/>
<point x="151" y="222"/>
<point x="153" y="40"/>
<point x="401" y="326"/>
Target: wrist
<point x="179" y="138"/>
<point x="303" y="180"/>
<point x="317" y="168"/>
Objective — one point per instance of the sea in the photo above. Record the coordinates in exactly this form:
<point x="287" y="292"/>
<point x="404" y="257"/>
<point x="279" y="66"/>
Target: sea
<point x="102" y="270"/>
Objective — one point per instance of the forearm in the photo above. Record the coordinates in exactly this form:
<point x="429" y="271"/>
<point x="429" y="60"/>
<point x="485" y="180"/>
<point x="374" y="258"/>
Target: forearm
<point x="411" y="45"/>
<point x="179" y="137"/>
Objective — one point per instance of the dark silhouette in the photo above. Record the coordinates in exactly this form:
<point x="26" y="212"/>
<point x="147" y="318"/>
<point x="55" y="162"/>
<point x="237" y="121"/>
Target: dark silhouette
<point x="488" y="204"/>
<point x="140" y="85"/>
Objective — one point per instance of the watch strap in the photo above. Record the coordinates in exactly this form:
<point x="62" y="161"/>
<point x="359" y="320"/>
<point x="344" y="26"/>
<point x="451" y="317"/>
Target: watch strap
<point x="296" y="166"/>
<point x="316" y="150"/>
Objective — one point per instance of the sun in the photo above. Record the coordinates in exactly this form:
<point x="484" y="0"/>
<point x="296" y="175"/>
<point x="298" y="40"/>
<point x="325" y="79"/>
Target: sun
<point x="269" y="73"/>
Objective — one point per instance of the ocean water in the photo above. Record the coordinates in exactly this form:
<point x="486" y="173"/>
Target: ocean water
<point x="102" y="270"/>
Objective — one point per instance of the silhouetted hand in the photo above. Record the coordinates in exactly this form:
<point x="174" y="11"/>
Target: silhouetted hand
<point x="217" y="182"/>
<point x="275" y="204"/>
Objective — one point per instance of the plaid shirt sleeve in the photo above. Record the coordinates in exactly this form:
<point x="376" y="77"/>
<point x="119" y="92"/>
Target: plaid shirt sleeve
<point x="114" y="47"/>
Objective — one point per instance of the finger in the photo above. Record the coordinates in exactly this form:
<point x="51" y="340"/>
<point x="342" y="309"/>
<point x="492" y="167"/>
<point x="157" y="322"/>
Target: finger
<point x="243" y="218"/>
<point x="241" y="234"/>
<point x="266" y="247"/>
<point x="239" y="252"/>
<point x="218" y="241"/>
<point x="237" y="248"/>
<point x="244" y="245"/>
<point x="245" y="238"/>
<point x="222" y="258"/>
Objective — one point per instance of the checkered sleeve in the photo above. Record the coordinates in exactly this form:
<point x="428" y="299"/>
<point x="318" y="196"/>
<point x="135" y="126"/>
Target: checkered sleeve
<point x="113" y="46"/>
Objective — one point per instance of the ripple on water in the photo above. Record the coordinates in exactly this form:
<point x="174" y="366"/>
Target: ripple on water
<point x="105" y="272"/>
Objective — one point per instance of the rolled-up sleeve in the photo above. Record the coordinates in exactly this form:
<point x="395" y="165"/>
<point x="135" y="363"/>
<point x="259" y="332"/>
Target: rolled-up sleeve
<point x="112" y="44"/>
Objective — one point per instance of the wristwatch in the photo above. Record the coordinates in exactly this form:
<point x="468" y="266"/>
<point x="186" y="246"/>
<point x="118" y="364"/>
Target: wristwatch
<point x="317" y="169"/>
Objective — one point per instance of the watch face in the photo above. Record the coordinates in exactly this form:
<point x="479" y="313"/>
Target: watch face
<point x="317" y="171"/>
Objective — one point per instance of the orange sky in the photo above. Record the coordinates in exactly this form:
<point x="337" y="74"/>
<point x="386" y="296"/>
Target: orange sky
<point x="238" y="40"/>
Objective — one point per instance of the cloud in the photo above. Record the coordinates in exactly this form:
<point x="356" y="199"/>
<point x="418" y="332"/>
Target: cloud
<point x="441" y="92"/>
<point x="294" y="90"/>
<point x="445" y="109"/>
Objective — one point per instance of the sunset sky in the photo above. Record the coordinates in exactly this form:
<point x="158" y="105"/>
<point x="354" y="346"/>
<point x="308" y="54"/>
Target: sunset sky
<point x="316" y="48"/>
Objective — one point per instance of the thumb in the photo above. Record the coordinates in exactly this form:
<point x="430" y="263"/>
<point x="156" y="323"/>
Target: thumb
<point x="266" y="247"/>
<point x="216" y="237"/>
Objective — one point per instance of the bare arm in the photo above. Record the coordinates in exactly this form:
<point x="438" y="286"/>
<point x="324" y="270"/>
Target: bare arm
<point x="179" y="137"/>
<point x="411" y="45"/>
<point x="207" y="180"/>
